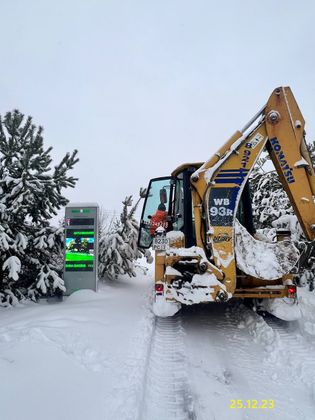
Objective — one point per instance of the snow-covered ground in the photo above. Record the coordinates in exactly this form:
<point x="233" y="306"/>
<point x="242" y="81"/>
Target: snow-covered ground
<point x="80" y="359"/>
<point x="236" y="354"/>
<point x="105" y="356"/>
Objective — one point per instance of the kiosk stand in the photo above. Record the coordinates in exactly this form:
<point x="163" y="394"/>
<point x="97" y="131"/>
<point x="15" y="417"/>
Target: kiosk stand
<point x="81" y="247"/>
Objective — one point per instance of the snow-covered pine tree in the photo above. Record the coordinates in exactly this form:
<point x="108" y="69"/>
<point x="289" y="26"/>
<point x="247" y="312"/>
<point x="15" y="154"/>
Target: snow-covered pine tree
<point x="269" y="200"/>
<point x="30" y="195"/>
<point x="118" y="250"/>
<point x="272" y="209"/>
<point x="106" y="220"/>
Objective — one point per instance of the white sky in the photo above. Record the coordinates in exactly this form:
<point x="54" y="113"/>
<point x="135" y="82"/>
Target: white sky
<point x="139" y="87"/>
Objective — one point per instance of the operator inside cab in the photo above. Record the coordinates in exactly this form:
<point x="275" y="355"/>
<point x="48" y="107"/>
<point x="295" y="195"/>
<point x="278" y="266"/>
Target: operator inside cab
<point x="159" y="218"/>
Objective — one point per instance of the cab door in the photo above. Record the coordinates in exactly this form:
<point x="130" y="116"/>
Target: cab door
<point x="158" y="196"/>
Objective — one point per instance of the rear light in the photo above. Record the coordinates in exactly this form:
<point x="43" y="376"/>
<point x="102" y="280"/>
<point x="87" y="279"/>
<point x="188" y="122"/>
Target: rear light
<point x="292" y="291"/>
<point x="159" y="287"/>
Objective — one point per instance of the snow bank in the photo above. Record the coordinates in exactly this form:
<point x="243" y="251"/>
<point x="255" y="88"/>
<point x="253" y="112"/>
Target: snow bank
<point x="285" y="308"/>
<point x="306" y="300"/>
<point x="84" y="295"/>
<point x="263" y="260"/>
<point x="164" y="309"/>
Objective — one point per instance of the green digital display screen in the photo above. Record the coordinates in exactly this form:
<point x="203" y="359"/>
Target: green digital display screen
<point x="79" y="250"/>
<point x="80" y="211"/>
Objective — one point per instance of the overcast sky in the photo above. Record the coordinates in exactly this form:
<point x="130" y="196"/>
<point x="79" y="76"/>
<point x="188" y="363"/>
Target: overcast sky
<point x="139" y="87"/>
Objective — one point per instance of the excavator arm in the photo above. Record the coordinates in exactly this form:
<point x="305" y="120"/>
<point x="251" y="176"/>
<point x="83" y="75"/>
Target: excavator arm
<point x="287" y="149"/>
<point x="218" y="184"/>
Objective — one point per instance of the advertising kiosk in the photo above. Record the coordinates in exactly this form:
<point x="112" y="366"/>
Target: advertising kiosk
<point x="81" y="247"/>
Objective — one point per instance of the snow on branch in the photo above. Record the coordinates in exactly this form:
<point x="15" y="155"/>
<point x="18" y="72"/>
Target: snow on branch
<point x="13" y="265"/>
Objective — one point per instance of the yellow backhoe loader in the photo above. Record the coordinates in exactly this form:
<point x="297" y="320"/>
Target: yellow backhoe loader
<point x="200" y="221"/>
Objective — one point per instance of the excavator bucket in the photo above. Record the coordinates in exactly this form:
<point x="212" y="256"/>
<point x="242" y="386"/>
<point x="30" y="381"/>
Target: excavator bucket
<point x="263" y="260"/>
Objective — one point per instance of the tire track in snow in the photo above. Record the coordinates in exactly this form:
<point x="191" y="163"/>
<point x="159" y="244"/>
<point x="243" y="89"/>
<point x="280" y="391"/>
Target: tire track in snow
<point x="299" y="354"/>
<point x="287" y="363"/>
<point x="166" y="393"/>
<point x="211" y="346"/>
<point x="126" y="402"/>
<point x="235" y="354"/>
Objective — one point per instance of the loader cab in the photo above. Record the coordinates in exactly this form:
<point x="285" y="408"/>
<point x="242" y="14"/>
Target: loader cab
<point x="174" y="193"/>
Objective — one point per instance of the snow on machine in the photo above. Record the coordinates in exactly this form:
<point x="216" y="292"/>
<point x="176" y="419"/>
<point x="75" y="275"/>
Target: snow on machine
<point x="204" y="236"/>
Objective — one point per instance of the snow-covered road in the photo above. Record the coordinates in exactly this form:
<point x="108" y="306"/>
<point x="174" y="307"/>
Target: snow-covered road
<point x="235" y="354"/>
<point x="105" y="356"/>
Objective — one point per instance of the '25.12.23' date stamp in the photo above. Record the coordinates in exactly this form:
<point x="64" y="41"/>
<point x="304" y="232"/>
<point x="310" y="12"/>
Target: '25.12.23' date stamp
<point x="254" y="404"/>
